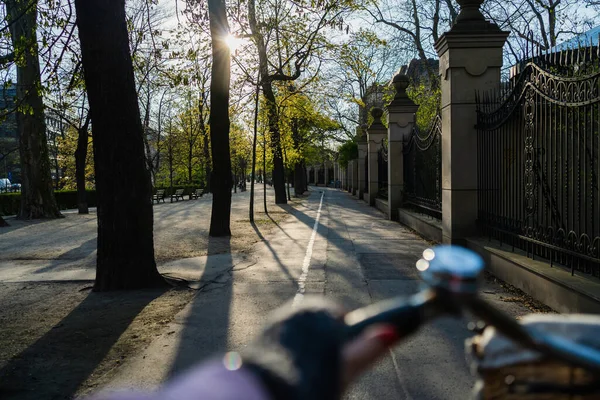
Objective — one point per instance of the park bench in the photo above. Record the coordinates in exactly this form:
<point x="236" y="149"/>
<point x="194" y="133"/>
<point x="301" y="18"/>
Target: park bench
<point x="196" y="194"/>
<point x="178" y="194"/>
<point x="158" y="196"/>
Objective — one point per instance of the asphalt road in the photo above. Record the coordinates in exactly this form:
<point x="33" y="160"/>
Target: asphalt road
<point x="352" y="254"/>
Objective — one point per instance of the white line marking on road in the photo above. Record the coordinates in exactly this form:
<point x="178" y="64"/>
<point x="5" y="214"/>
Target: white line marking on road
<point x="306" y="263"/>
<point x="407" y="395"/>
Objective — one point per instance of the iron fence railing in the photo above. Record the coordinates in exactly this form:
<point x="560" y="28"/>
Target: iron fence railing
<point x="423" y="170"/>
<point x="366" y="188"/>
<point x="382" y="171"/>
<point x="538" y="168"/>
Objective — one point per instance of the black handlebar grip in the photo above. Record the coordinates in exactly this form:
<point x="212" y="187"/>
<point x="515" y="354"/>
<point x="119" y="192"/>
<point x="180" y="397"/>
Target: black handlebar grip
<point x="405" y="314"/>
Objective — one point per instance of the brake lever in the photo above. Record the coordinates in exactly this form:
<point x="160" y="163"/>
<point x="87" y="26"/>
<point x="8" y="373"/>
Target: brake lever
<point x="406" y="314"/>
<point x="447" y="271"/>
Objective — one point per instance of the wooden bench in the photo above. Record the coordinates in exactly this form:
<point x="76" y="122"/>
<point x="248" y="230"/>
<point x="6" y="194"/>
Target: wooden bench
<point x="177" y="195"/>
<point x="196" y="194"/>
<point x="158" y="196"/>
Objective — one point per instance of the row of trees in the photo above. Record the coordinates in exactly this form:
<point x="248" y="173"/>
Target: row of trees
<point x="150" y="97"/>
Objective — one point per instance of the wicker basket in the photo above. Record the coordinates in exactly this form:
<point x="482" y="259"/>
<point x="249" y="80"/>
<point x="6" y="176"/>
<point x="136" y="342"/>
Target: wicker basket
<point x="508" y="372"/>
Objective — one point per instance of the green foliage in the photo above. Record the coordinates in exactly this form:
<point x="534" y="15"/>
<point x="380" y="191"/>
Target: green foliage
<point x="66" y="156"/>
<point x="347" y="151"/>
<point x="305" y="129"/>
<point x="429" y="100"/>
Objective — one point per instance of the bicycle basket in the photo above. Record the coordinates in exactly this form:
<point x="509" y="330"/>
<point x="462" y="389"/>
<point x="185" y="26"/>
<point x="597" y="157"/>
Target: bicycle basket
<point x="508" y="372"/>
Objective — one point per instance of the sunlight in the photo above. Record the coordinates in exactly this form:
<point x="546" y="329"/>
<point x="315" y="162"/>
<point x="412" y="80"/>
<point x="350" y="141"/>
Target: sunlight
<point x="233" y="42"/>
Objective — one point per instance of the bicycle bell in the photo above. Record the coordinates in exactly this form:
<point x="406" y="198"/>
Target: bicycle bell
<point x="451" y="268"/>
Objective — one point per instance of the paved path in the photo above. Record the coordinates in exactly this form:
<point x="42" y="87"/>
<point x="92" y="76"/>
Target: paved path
<point x="352" y="254"/>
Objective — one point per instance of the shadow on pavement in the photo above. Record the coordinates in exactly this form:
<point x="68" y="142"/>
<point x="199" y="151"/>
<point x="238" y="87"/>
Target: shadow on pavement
<point x="56" y="365"/>
<point x="76" y="253"/>
<point x="206" y="326"/>
<point x="273" y="252"/>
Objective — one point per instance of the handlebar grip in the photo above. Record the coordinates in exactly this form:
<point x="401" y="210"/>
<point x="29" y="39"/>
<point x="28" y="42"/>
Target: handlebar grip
<point x="405" y="314"/>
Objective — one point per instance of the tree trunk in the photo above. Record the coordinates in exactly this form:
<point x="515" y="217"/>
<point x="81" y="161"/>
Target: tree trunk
<point x="37" y="195"/>
<point x="149" y="162"/>
<point x="57" y="169"/>
<point x="219" y="120"/>
<point x="235" y="180"/>
<point x="207" y="162"/>
<point x="272" y="116"/>
<point x="254" y="137"/>
<point x="205" y="145"/>
<point x="304" y="176"/>
<point x="190" y="162"/>
<point x="298" y="179"/>
<point x="278" y="168"/>
<point x="80" y="158"/>
<point x="265" y="173"/>
<point x="125" y="222"/>
<point x="170" y="155"/>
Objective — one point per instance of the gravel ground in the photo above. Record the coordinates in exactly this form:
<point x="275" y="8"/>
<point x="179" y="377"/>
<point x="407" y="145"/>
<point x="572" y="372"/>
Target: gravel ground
<point x="58" y="339"/>
<point x="180" y="231"/>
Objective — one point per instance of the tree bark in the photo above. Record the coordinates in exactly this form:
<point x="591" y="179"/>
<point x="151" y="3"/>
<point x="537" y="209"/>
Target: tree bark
<point x="304" y="176"/>
<point x="299" y="187"/>
<point x="125" y="222"/>
<point x="146" y="127"/>
<point x="80" y="158"/>
<point x="219" y="120"/>
<point x="205" y="144"/>
<point x="275" y="136"/>
<point x="207" y="161"/>
<point x="254" y="137"/>
<point x="37" y="195"/>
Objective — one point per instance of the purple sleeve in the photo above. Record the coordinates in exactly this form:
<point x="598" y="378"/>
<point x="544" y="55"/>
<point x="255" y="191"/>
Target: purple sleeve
<point x="209" y="381"/>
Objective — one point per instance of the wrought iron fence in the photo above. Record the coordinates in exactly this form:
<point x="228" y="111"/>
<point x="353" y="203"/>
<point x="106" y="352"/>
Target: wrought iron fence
<point x="366" y="183"/>
<point x="538" y="168"/>
<point x="423" y="170"/>
<point x="382" y="170"/>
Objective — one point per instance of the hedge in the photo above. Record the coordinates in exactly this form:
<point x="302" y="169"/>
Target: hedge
<point x="9" y="203"/>
<point x="67" y="199"/>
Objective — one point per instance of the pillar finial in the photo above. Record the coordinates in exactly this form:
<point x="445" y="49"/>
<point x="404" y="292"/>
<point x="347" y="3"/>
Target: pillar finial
<point x="469" y="11"/>
<point x="376" y="113"/>
<point x="400" y="82"/>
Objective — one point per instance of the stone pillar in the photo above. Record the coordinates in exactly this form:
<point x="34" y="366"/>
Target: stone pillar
<point x="362" y="152"/>
<point x="401" y="120"/>
<point x="335" y="174"/>
<point x="349" y="178"/>
<point x="470" y="61"/>
<point x="355" y="177"/>
<point x="326" y="165"/>
<point x="375" y="134"/>
<point x="346" y="177"/>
